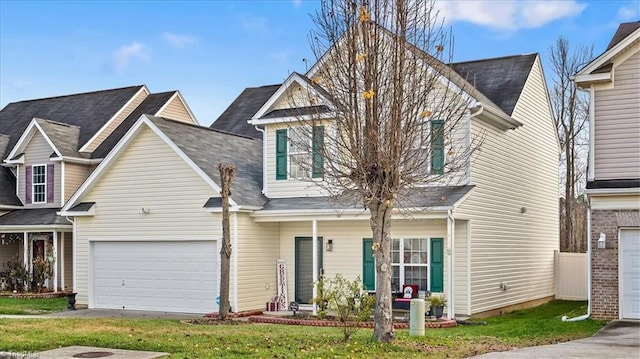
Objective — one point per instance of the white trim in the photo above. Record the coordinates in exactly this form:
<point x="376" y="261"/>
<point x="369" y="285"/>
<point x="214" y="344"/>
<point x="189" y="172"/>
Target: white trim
<point x="26" y="137"/>
<point x="609" y="54"/>
<point x="234" y="253"/>
<point x="294" y="77"/>
<point x="62" y="276"/>
<point x="314" y="263"/>
<point x="595" y="192"/>
<point x="74" y="256"/>
<point x="593" y="78"/>
<point x="9" y="162"/>
<point x="468" y="284"/>
<point x="451" y="228"/>
<point x="184" y="103"/>
<point x="4" y="206"/>
<point x="115" y="152"/>
<point x="232" y="209"/>
<point x="33" y="228"/>
<point x="108" y="123"/>
<point x="55" y="261"/>
<point x="33" y="184"/>
<point x="78" y="160"/>
<point x="89" y="213"/>
<point x="288" y="119"/>
<point x="25" y="249"/>
<point x="62" y="168"/>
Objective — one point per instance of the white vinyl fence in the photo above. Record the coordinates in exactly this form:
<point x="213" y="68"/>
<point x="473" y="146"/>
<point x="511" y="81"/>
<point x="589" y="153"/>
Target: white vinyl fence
<point x="571" y="276"/>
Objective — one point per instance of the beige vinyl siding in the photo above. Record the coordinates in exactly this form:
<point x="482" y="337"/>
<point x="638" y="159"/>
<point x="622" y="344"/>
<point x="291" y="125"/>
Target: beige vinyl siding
<point x="38" y="152"/>
<point x="461" y="268"/>
<point x="347" y="236"/>
<point x="147" y="174"/>
<point x="289" y="187"/>
<point x="295" y="96"/>
<point x="617" y="123"/>
<point x="110" y="126"/>
<point x="175" y="109"/>
<point x="257" y="250"/>
<point x="74" y="175"/>
<point x="515" y="169"/>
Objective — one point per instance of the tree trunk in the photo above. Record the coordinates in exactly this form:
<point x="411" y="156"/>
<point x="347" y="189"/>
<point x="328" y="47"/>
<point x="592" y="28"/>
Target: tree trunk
<point x="226" y="176"/>
<point x="381" y="227"/>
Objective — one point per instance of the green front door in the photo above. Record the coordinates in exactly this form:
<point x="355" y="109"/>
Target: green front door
<point x="304" y="268"/>
<point x="437" y="265"/>
<point x="368" y="265"/>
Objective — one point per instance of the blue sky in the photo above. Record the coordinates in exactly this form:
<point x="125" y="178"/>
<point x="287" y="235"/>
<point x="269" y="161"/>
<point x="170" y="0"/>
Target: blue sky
<point x="212" y="50"/>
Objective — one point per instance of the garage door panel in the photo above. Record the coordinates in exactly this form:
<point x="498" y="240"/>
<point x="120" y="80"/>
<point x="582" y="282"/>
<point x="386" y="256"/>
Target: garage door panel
<point x="630" y="249"/>
<point x="162" y="276"/>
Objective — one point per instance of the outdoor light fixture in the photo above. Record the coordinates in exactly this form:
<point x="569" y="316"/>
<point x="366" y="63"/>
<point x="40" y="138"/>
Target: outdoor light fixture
<point x="145" y="210"/>
<point x="602" y="241"/>
<point x="330" y="245"/>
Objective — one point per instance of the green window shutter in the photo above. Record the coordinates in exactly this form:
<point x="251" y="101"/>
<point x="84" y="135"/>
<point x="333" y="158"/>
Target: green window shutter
<point x="437" y="265"/>
<point x="437" y="147"/>
<point x="318" y="159"/>
<point x="368" y="264"/>
<point x="281" y="154"/>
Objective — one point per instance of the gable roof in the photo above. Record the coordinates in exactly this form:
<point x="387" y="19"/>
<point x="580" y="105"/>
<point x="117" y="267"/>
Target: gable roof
<point x="150" y="105"/>
<point x="500" y="79"/>
<point x="64" y="137"/>
<point x="234" y="118"/>
<point x="625" y="29"/>
<point x="89" y="111"/>
<point x="207" y="147"/>
<point x="599" y="69"/>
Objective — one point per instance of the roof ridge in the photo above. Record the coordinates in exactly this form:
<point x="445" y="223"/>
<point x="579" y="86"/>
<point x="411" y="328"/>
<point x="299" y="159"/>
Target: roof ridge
<point x="79" y="94"/>
<point x="200" y="127"/>
<point x="495" y="58"/>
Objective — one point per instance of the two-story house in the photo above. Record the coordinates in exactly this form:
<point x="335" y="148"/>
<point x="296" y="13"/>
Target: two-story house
<point x="147" y="236"/>
<point x="613" y="177"/>
<point x="49" y="147"/>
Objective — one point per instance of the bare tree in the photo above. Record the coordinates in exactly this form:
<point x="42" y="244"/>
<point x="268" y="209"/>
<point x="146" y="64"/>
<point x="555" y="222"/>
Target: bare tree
<point x="227" y="172"/>
<point x="389" y="117"/>
<point x="571" y="116"/>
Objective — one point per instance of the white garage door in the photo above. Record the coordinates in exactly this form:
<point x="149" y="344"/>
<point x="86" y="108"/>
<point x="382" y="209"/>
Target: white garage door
<point x="158" y="276"/>
<point x="630" y="249"/>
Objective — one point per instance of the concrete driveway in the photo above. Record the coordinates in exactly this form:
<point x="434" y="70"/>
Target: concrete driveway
<point x="618" y="339"/>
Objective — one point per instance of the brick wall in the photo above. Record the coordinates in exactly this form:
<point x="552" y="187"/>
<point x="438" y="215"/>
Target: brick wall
<point x="604" y="264"/>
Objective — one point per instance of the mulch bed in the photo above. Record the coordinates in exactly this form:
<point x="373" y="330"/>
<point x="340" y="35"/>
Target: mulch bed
<point x="214" y="321"/>
<point x="334" y="323"/>
<point x="33" y="295"/>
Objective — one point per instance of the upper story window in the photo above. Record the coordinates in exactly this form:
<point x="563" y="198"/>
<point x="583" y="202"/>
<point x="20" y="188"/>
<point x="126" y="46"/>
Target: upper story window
<point x="39" y="181"/>
<point x="299" y="155"/>
<point x="432" y="152"/>
<point x="39" y="184"/>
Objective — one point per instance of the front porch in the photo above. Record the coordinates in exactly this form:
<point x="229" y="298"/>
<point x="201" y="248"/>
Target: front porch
<point x="47" y="247"/>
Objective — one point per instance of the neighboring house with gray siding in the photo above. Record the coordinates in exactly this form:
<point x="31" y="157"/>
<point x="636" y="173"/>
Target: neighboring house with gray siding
<point x="613" y="177"/>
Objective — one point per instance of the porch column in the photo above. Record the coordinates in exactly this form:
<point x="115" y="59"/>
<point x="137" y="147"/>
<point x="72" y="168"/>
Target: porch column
<point x="25" y="247"/>
<point x="62" y="260"/>
<point x="314" y="244"/>
<point x="450" y="266"/>
<point x="55" y="261"/>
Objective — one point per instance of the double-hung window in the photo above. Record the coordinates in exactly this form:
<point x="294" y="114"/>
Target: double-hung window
<point x="410" y="262"/>
<point x="299" y="154"/>
<point x="39" y="184"/>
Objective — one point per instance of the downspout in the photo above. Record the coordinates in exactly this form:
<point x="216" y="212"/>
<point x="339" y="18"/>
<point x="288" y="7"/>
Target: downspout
<point x="264" y="159"/>
<point x="583" y="317"/>
<point x="450" y="240"/>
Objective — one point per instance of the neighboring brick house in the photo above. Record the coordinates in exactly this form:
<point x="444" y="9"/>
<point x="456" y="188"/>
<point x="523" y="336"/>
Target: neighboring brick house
<point x="613" y="179"/>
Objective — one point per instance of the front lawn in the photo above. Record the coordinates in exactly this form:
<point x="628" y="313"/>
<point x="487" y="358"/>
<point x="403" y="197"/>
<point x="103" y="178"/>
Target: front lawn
<point x="541" y="325"/>
<point x="29" y="306"/>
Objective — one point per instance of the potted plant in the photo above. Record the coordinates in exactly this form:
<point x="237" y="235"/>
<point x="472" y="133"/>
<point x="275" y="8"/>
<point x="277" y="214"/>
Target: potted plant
<point x="437" y="303"/>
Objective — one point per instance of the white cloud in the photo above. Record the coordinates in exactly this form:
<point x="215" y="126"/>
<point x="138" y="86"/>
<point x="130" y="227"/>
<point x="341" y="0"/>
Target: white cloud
<point x="296" y="3"/>
<point x="255" y="23"/>
<point x="508" y="14"/>
<point x="177" y="40"/>
<point x="627" y="13"/>
<point x="123" y="56"/>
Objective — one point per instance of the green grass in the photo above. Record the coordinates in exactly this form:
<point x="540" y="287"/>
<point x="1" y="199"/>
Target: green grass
<point x="10" y="305"/>
<point x="541" y="325"/>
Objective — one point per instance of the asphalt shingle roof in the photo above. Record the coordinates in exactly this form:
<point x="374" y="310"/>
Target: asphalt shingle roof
<point x="420" y="198"/>
<point x="234" y="118"/>
<point x="89" y="111"/>
<point x="64" y="136"/>
<point x="33" y="217"/>
<point x="207" y="147"/>
<point x="150" y="105"/>
<point x="625" y="29"/>
<point x="500" y="79"/>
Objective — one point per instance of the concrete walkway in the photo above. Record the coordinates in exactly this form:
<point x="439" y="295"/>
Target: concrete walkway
<point x="91" y="352"/>
<point x="619" y="339"/>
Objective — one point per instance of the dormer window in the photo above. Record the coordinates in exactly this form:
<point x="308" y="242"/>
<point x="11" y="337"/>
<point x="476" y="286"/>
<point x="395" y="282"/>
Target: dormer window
<point x="39" y="183"/>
